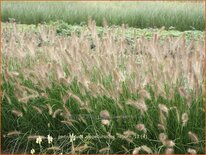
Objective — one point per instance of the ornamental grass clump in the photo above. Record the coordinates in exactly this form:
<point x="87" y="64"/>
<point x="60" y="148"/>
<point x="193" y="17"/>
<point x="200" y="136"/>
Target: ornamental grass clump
<point x="142" y="95"/>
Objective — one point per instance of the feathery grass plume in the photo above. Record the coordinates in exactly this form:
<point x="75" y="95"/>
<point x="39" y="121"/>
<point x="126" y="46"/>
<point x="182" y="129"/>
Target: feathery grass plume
<point x="65" y="81"/>
<point x="163" y="119"/>
<point x="193" y="137"/>
<point x="124" y="137"/>
<point x="141" y="127"/>
<point x="54" y="148"/>
<point x="69" y="94"/>
<point x="118" y="76"/>
<point x="7" y="97"/>
<point x="65" y="98"/>
<point x="164" y="109"/>
<point x="81" y="148"/>
<point x="129" y="133"/>
<point x="84" y="81"/>
<point x="105" y="121"/>
<point x="26" y="99"/>
<point x="14" y="133"/>
<point x="105" y="117"/>
<point x="160" y="90"/>
<point x="161" y="127"/>
<point x="136" y="150"/>
<point x="56" y="112"/>
<point x="44" y="95"/>
<point x="140" y="105"/>
<point x="146" y="149"/>
<point x="60" y="71"/>
<point x="185" y="119"/>
<point x="110" y="136"/>
<point x="191" y="151"/>
<point x="31" y="48"/>
<point x="23" y="93"/>
<point x="162" y="137"/>
<point x="171" y="94"/>
<point x="169" y="143"/>
<point x="13" y="73"/>
<point x="169" y="151"/>
<point x="34" y="137"/>
<point x="66" y="109"/>
<point x="67" y="113"/>
<point x="87" y="108"/>
<point x="182" y="92"/>
<point x="17" y="113"/>
<point x="104" y="114"/>
<point x="104" y="150"/>
<point x="6" y="74"/>
<point x="94" y="89"/>
<point x="37" y="109"/>
<point x="66" y="122"/>
<point x="49" y="108"/>
<point x="144" y="94"/>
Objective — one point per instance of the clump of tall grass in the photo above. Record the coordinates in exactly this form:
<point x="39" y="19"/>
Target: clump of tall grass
<point x="115" y="97"/>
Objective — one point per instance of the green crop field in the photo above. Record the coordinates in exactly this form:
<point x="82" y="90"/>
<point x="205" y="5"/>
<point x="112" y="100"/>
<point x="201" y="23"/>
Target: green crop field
<point x="103" y="78"/>
<point x="182" y="16"/>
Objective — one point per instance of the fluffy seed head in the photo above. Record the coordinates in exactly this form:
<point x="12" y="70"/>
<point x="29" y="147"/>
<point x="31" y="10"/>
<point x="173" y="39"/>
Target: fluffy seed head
<point x="140" y="104"/>
<point x="169" y="143"/>
<point x="185" y="119"/>
<point x="169" y="151"/>
<point x="129" y="133"/>
<point x="17" y="113"/>
<point x="193" y="137"/>
<point x="49" y="108"/>
<point x="141" y="127"/>
<point x="104" y="150"/>
<point x="105" y="122"/>
<point x="162" y="137"/>
<point x="144" y="94"/>
<point x="136" y="150"/>
<point x="161" y="127"/>
<point x="163" y="108"/>
<point x="14" y="133"/>
<point x="104" y="114"/>
<point x="191" y="151"/>
<point x="56" y="112"/>
<point x="146" y="149"/>
<point x="37" y="109"/>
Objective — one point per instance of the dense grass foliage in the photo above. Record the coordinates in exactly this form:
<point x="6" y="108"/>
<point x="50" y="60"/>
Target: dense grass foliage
<point x="111" y="84"/>
<point x="182" y="16"/>
<point x="65" y="29"/>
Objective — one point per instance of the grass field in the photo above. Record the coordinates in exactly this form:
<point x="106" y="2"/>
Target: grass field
<point x="182" y="16"/>
<point x="114" y="94"/>
<point x="130" y="83"/>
